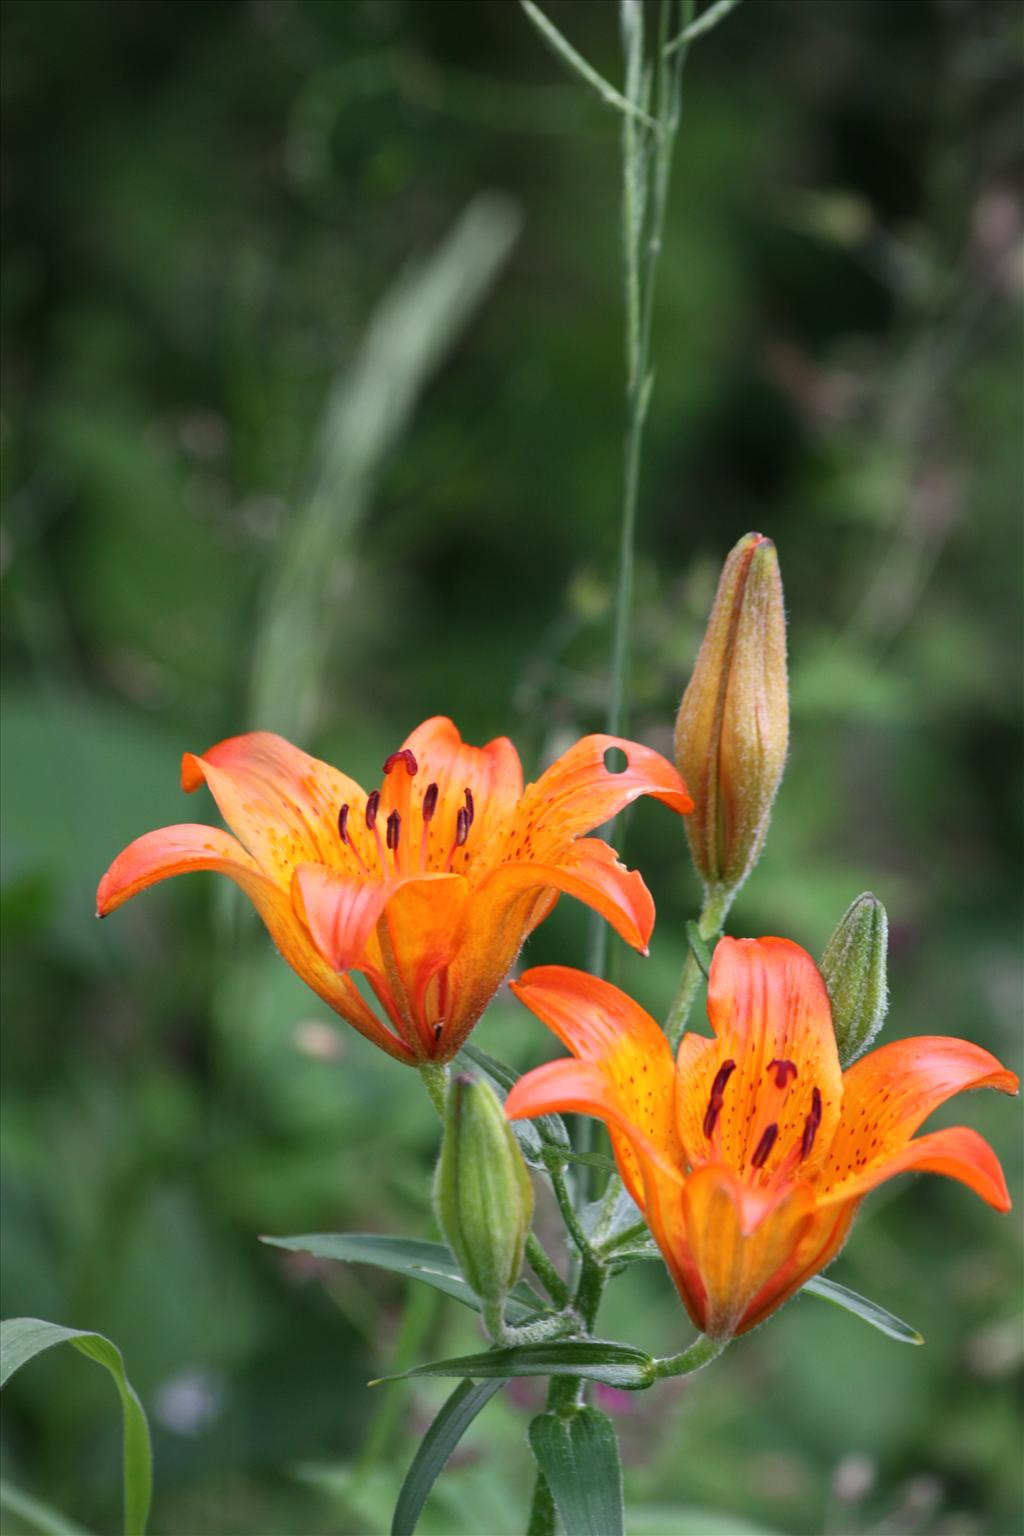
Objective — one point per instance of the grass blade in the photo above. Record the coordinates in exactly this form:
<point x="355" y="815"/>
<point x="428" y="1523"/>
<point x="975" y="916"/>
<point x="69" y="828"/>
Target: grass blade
<point x="22" y="1338"/>
<point x="867" y="1311"/>
<point x="436" y="1446"/>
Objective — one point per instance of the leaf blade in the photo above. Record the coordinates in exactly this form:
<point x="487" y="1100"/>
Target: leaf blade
<point x="22" y="1338"/>
<point x="579" y="1457"/>
<point x="868" y="1311"/>
<point x="431" y="1263"/>
<point x="616" y="1365"/>
<point x="437" y="1445"/>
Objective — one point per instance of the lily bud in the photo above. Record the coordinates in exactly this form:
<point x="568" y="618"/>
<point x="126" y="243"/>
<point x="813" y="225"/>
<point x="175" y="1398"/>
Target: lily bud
<point x="854" y="969"/>
<point x="482" y="1192"/>
<point x="732" y="730"/>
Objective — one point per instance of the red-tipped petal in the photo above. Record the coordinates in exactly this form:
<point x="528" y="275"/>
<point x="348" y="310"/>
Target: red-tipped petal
<point x="766" y="1002"/>
<point x="959" y="1153"/>
<point x="173" y="851"/>
<point x="589" y="871"/>
<point x="580" y="792"/>
<point x="282" y="803"/>
<point x="890" y="1092"/>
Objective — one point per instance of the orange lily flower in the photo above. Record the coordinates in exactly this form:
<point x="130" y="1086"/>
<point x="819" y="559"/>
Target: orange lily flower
<point x="750" y="1154"/>
<point x="428" y="885"/>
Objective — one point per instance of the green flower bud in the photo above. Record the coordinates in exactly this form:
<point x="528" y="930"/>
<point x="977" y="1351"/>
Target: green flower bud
<point x="482" y="1192"/>
<point x="854" y="969"/>
<point x="732" y="730"/>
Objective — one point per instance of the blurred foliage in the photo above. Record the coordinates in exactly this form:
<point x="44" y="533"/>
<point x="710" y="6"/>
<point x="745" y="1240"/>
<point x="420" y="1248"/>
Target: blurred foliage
<point x="204" y="205"/>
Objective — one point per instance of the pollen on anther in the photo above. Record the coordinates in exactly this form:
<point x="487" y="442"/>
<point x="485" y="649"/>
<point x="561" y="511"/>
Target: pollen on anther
<point x="343" y="823"/>
<point x="470" y="809"/>
<point x="402" y="756"/>
<point x="430" y="802"/>
<point x="785" y="1072"/>
<point x="461" y="827"/>
<point x="394" y="828"/>
<point x="764" y="1146"/>
<point x="811" y="1125"/>
<point x="372" y="804"/>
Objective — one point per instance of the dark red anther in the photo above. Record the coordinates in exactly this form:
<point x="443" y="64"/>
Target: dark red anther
<point x="811" y="1125"/>
<point x="764" y="1146"/>
<point x="430" y="802"/>
<point x="722" y="1076"/>
<point x="461" y="827"/>
<point x="372" y="806"/>
<point x="438" y="1027"/>
<point x="402" y="756"/>
<point x="343" y="823"/>
<point x="785" y="1072"/>
<point x="470" y="811"/>
<point x="394" y="828"/>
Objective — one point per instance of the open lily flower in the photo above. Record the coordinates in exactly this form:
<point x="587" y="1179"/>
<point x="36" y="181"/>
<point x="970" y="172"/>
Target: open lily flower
<point x="750" y="1154"/>
<point x="428" y="885"/>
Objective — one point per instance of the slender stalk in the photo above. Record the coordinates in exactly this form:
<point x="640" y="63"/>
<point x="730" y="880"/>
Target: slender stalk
<point x="435" y="1078"/>
<point x="709" y="925"/>
<point x="700" y="1353"/>
<point x="641" y="251"/>
<point x="546" y="1272"/>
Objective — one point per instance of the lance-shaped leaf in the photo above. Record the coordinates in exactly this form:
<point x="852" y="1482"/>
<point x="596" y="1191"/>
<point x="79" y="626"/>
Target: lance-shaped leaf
<point x="431" y="1263"/>
<point x="579" y="1456"/>
<point x="435" y="1448"/>
<point x="22" y="1338"/>
<point x="869" y="1311"/>
<point x="617" y="1365"/>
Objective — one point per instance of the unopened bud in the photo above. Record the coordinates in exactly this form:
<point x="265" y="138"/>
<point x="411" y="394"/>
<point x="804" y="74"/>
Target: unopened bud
<point x="482" y="1192"/>
<point x="854" y="969"/>
<point x="732" y="730"/>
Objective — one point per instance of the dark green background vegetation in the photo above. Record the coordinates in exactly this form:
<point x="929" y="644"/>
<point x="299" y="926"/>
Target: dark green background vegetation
<point x="205" y="203"/>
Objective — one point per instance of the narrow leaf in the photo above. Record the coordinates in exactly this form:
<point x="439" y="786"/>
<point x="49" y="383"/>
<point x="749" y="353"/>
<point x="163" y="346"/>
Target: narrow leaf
<point x="579" y="1457"/>
<point x="869" y="1311"/>
<point x="617" y="1365"/>
<point x="435" y="1448"/>
<point x="586" y="1159"/>
<point x="22" y="1338"/>
<point x="34" y="1514"/>
<point x="432" y="1263"/>
<point x="577" y="65"/>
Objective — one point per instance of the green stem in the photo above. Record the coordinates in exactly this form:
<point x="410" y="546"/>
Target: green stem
<point x="709" y="925"/>
<point x="569" y="1215"/>
<point x="700" y="1353"/>
<point x="546" y="1272"/>
<point x="435" y="1077"/>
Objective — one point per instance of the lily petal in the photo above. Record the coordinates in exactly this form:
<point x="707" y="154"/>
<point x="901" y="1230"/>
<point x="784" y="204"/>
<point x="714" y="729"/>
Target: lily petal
<point x="178" y="850"/>
<point x="341" y="912"/>
<point x="889" y="1093"/>
<point x="738" y="1256"/>
<point x="493" y="774"/>
<point x="282" y="803"/>
<point x="614" y="1037"/>
<point x="175" y="851"/>
<point x="767" y="1003"/>
<point x="590" y="871"/>
<point x="958" y="1152"/>
<point x="579" y="792"/>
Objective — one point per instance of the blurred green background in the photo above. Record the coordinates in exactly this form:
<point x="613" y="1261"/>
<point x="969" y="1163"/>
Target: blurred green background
<point x="312" y="419"/>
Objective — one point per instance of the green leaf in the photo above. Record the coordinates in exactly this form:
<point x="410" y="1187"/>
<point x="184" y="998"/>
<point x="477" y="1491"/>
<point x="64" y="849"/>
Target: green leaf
<point x="617" y="1365"/>
<point x="579" y="1456"/>
<point x="436" y="1446"/>
<point x="585" y="1159"/>
<point x="430" y="1262"/>
<point x="34" y="1515"/>
<point x="869" y="1311"/>
<point x="22" y="1338"/>
<point x="577" y="65"/>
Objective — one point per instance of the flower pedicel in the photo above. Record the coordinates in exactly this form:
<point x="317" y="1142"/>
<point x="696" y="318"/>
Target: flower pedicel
<point x="750" y="1154"/>
<point x="428" y="885"/>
